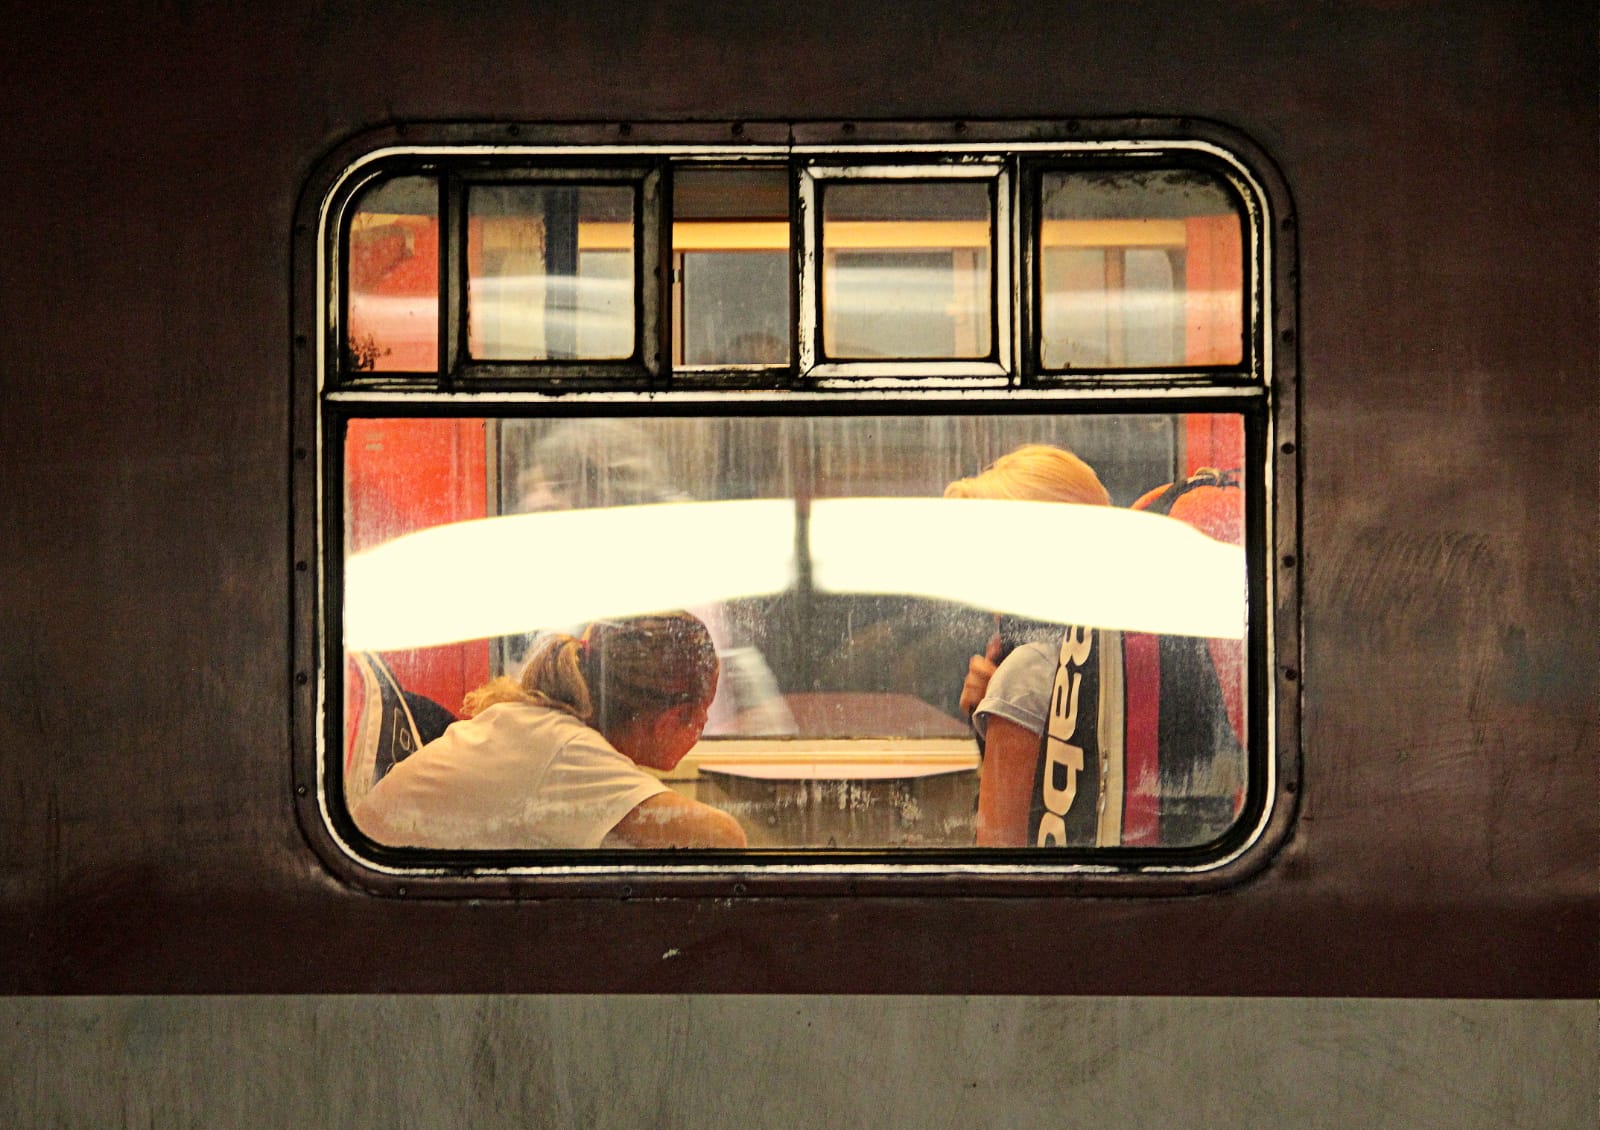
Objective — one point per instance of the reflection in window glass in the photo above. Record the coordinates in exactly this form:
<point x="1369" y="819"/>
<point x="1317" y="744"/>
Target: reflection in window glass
<point x="550" y="272"/>
<point x="1139" y="270"/>
<point x="730" y="236"/>
<point x="907" y="270"/>
<point x="844" y="595"/>
<point x="392" y="255"/>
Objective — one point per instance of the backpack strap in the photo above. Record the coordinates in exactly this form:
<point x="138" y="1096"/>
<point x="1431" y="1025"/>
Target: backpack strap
<point x="1204" y="477"/>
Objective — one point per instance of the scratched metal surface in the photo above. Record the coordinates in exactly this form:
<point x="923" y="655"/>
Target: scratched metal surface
<point x="1443" y="167"/>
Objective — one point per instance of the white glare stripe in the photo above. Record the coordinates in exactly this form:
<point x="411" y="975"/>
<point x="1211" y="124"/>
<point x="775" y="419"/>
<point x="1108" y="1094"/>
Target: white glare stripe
<point x="1051" y="561"/>
<point x="1093" y="565"/>
<point x="498" y="576"/>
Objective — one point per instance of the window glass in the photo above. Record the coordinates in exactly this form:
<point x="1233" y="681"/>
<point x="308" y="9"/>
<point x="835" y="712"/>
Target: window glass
<point x="732" y="273"/>
<point x="907" y="270"/>
<point x="844" y="596"/>
<point x="1139" y="270"/>
<point x="917" y="580"/>
<point x="392" y="256"/>
<point x="550" y="272"/>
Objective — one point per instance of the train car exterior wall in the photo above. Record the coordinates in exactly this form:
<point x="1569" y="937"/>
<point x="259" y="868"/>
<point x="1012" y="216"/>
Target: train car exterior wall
<point x="1443" y="166"/>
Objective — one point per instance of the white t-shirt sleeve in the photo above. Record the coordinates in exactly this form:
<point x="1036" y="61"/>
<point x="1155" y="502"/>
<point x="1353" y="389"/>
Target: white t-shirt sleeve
<point x="587" y="789"/>
<point x="517" y="776"/>
<point x="1019" y="691"/>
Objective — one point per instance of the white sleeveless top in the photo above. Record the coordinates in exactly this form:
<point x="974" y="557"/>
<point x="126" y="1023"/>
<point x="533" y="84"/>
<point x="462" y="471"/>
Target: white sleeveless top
<point x="516" y="776"/>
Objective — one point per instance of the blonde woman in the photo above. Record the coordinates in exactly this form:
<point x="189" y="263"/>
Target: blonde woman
<point x="554" y="759"/>
<point x="1007" y="689"/>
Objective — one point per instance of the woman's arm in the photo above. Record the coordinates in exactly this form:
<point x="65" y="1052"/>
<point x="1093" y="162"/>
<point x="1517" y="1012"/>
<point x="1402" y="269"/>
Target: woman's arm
<point x="1005" y="783"/>
<point x="671" y="820"/>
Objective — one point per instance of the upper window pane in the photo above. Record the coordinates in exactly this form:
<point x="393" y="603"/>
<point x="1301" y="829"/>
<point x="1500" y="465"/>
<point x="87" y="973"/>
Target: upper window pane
<point x="1139" y="270"/>
<point x="392" y="256"/>
<point x="731" y="268"/>
<point x="907" y="270"/>
<point x="550" y="272"/>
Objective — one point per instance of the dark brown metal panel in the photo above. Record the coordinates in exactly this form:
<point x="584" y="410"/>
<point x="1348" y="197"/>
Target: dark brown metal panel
<point x="1443" y="167"/>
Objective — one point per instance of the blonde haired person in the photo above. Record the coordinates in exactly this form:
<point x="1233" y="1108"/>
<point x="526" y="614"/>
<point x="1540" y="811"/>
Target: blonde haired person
<point x="1035" y="472"/>
<point x="1007" y="695"/>
<point x="553" y="759"/>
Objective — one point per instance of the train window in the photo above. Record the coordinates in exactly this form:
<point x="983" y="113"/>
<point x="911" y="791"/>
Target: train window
<point x="905" y="268"/>
<point x="921" y="251"/>
<point x="550" y="271"/>
<point x="1140" y="270"/>
<point x="932" y="569"/>
<point x="841" y="589"/>
<point x="732" y="280"/>
<point x="392" y="283"/>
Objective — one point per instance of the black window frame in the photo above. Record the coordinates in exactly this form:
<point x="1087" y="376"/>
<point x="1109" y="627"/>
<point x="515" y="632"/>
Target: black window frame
<point x="813" y="181"/>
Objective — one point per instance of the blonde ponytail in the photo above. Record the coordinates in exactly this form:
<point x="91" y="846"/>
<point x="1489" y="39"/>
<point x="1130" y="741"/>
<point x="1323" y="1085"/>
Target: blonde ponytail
<point x="619" y="671"/>
<point x="552" y="676"/>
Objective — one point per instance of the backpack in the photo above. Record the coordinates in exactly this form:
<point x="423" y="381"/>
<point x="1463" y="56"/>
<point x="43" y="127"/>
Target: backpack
<point x="384" y="723"/>
<point x="1144" y="742"/>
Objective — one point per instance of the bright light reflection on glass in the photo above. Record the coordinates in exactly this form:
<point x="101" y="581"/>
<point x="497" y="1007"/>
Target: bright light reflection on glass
<point x="1091" y="565"/>
<point x="1088" y="565"/>
<point x="497" y="576"/>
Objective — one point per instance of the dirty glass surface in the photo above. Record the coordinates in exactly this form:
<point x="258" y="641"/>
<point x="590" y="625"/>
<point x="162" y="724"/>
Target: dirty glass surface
<point x="845" y="597"/>
<point x="732" y="277"/>
<point x="550" y="272"/>
<point x="1139" y="270"/>
<point x="392" y="256"/>
<point x="907" y="270"/>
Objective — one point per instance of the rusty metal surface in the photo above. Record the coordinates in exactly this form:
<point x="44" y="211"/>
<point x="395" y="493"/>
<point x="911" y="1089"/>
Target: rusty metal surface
<point x="1443" y="165"/>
